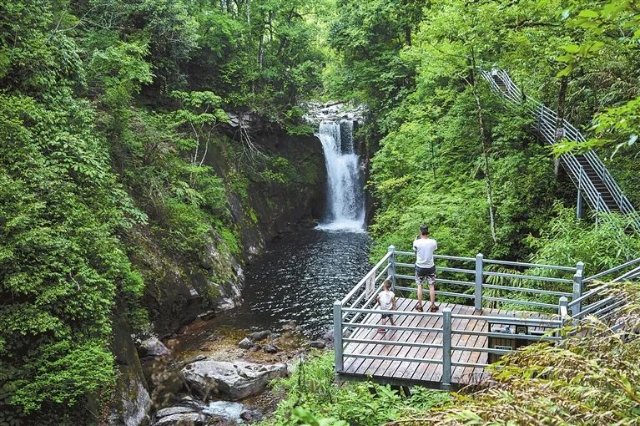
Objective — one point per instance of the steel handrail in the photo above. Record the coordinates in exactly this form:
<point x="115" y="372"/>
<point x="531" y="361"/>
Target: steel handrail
<point x="612" y="270"/>
<point x="546" y="121"/>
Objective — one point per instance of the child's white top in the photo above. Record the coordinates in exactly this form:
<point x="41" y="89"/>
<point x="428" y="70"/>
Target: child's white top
<point x="386" y="299"/>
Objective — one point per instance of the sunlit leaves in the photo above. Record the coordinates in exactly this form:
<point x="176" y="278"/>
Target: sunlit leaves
<point x="120" y="70"/>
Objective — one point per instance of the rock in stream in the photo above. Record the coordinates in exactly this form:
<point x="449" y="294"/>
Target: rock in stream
<point x="230" y="380"/>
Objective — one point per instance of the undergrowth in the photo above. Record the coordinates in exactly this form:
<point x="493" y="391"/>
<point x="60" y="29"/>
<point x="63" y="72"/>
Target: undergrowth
<point x="314" y="398"/>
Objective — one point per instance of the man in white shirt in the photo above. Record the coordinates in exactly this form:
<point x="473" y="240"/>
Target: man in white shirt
<point x="424" y="246"/>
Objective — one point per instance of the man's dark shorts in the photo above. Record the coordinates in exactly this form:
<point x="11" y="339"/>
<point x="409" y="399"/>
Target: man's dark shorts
<point x="390" y="316"/>
<point x="426" y="274"/>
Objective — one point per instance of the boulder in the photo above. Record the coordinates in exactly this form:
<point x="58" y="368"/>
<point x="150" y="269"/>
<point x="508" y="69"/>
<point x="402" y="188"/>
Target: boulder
<point x="179" y="409"/>
<point x="328" y="336"/>
<point x="318" y="344"/>
<point x="231" y="380"/>
<point x="251" y="416"/>
<point x="230" y="411"/>
<point x="152" y="347"/>
<point x="135" y="404"/>
<point x="192" y="412"/>
<point x="192" y="418"/>
<point x="259" y="335"/>
<point x="270" y="349"/>
<point x="246" y="343"/>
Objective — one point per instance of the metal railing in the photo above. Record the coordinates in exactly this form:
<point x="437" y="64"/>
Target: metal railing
<point x="466" y="279"/>
<point x="354" y="312"/>
<point x="547" y="122"/>
<point x="598" y="301"/>
<point x="473" y="276"/>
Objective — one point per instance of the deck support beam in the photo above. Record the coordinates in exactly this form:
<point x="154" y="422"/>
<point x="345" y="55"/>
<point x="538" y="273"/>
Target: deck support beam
<point x="446" y="348"/>
<point x="337" y="335"/>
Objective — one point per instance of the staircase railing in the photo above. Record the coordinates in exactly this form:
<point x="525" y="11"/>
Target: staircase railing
<point x="598" y="301"/>
<point x="548" y="124"/>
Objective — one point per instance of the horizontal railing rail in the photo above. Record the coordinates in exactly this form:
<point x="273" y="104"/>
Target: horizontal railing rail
<point x="613" y="270"/>
<point x="526" y="287"/>
<point x="361" y="284"/>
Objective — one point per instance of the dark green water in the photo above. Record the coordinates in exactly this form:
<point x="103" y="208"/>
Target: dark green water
<point x="298" y="279"/>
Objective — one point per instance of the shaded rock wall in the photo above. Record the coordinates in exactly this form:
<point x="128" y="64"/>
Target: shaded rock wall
<point x="282" y="206"/>
<point x="269" y="201"/>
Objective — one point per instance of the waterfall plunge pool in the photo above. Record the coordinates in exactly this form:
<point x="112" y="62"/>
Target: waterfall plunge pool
<point x="298" y="279"/>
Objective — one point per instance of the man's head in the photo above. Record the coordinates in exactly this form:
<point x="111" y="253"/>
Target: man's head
<point x="424" y="230"/>
<point x="386" y="284"/>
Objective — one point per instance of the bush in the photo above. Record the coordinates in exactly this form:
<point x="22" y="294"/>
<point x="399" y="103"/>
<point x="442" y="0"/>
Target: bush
<point x="313" y="398"/>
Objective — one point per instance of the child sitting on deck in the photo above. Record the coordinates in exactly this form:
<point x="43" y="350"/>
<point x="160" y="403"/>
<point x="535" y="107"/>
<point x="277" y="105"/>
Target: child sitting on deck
<point x="387" y="301"/>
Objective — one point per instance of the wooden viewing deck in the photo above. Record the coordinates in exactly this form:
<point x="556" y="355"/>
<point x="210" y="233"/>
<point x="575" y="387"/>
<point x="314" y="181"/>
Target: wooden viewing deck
<point x="395" y="356"/>
<point x="453" y="347"/>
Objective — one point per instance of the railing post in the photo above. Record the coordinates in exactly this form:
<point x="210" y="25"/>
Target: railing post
<point x="577" y="288"/>
<point x="446" y="348"/>
<point x="479" y="278"/>
<point x="391" y="272"/>
<point x="579" y="202"/>
<point x="337" y="335"/>
<point x="563" y="309"/>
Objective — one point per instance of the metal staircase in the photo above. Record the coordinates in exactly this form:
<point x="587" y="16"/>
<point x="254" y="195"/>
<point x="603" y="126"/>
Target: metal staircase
<point x="590" y="176"/>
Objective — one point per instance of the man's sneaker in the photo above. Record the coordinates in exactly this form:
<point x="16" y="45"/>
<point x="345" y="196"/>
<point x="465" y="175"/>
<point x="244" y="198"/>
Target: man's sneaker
<point x="433" y="308"/>
<point x="382" y="330"/>
<point x="418" y="308"/>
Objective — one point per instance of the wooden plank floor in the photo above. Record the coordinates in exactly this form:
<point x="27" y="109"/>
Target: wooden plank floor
<point x="429" y="374"/>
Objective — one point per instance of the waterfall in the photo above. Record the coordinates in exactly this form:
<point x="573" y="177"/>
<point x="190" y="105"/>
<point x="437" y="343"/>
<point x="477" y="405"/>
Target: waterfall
<point x="345" y="194"/>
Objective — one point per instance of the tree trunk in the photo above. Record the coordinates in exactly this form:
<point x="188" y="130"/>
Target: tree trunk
<point x="486" y="143"/>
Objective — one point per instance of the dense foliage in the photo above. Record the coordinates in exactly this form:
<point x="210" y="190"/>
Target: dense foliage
<point x="108" y="111"/>
<point x="450" y="153"/>
<point x="313" y="398"/>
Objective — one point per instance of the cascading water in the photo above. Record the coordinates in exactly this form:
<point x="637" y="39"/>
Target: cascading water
<point x="345" y="195"/>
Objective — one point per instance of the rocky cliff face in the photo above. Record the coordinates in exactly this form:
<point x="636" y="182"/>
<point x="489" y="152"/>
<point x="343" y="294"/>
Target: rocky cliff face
<point x="293" y="198"/>
<point x="278" y="187"/>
